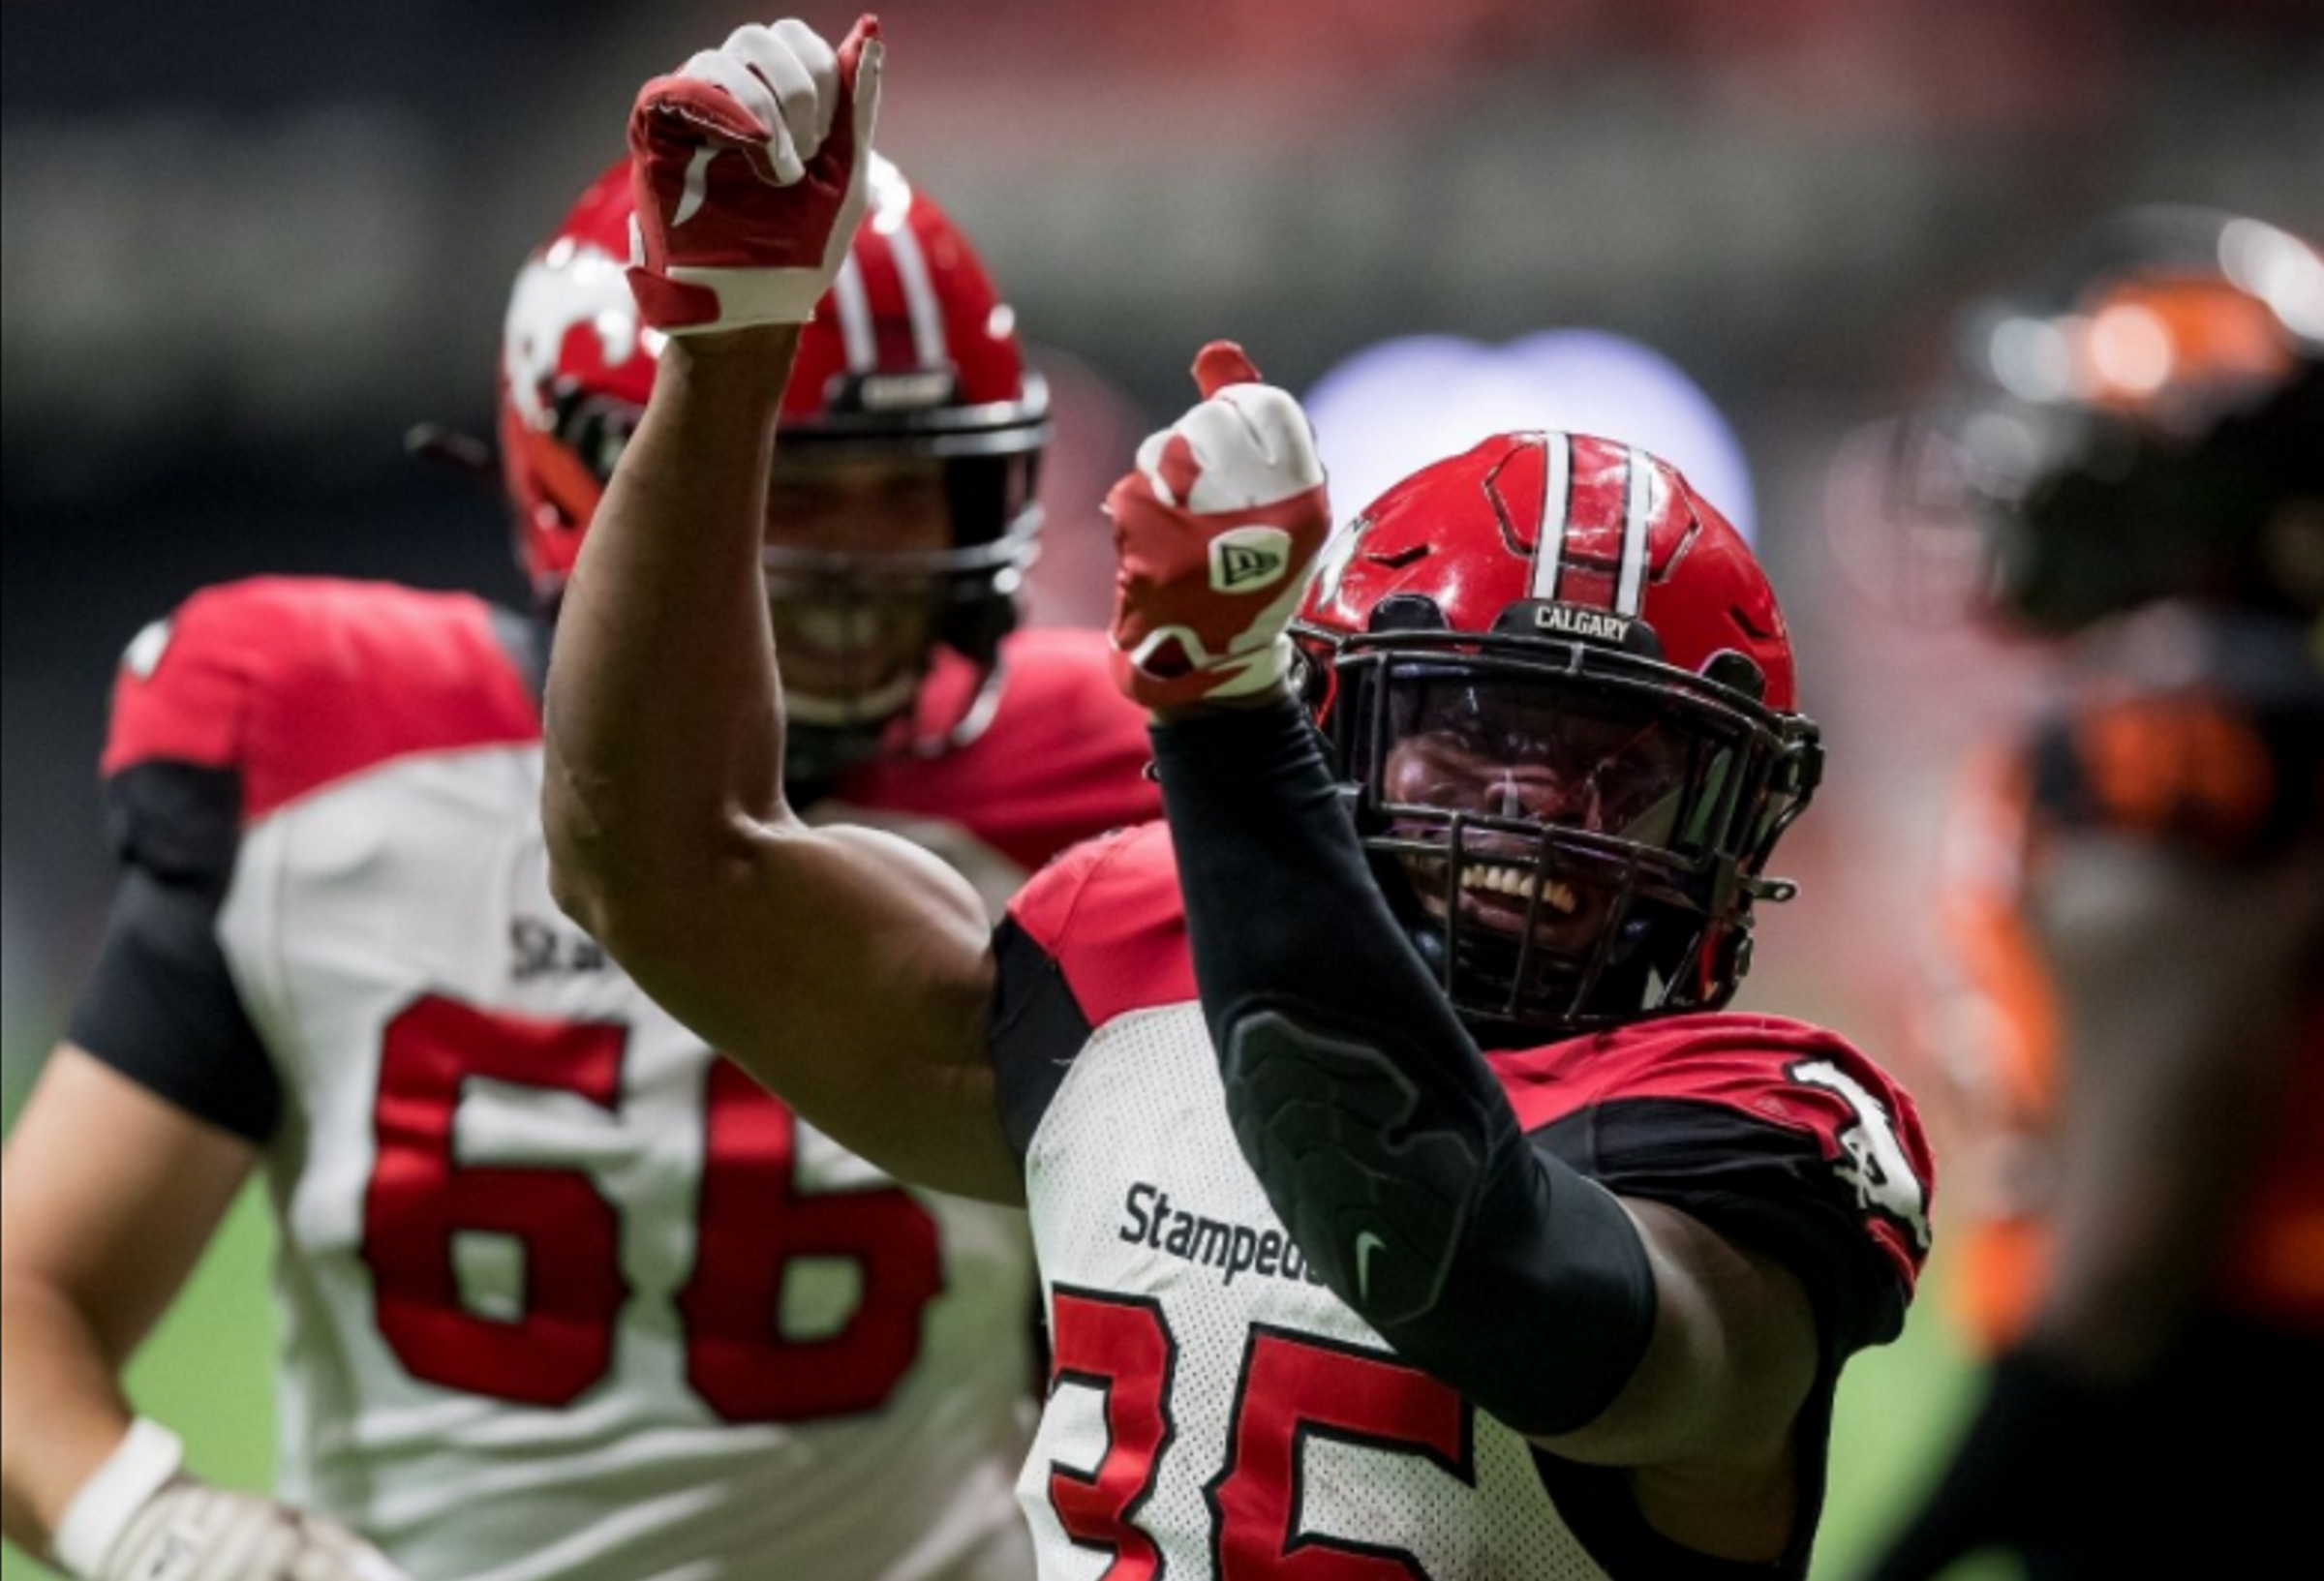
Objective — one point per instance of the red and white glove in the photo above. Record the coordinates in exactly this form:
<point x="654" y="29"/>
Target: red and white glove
<point x="749" y="166"/>
<point x="1214" y="537"/>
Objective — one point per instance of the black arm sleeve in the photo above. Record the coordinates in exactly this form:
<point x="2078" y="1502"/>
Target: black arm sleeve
<point x="1367" y="1112"/>
<point x="161" y="1007"/>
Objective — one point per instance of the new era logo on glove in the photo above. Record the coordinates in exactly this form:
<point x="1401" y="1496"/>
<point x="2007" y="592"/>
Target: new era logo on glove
<point x="1247" y="559"/>
<point x="1214" y="533"/>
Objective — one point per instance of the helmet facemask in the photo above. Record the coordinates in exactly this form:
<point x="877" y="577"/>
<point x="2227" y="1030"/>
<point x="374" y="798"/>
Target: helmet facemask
<point x="859" y="623"/>
<point x="859" y="629"/>
<point x="1571" y="835"/>
<point x="1559" y="692"/>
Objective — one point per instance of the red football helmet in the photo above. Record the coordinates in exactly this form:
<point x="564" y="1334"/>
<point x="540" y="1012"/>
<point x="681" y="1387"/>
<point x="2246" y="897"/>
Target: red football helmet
<point x="910" y="354"/>
<point x="1561" y="695"/>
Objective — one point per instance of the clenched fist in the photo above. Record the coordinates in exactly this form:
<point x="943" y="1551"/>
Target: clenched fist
<point x="749" y="165"/>
<point x="1215" y="535"/>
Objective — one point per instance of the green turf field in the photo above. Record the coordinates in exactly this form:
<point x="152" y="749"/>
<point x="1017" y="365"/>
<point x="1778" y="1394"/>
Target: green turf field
<point x="206" y="1374"/>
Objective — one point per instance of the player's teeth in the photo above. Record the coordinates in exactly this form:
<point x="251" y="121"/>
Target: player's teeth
<point x="835" y="629"/>
<point x="1517" y="882"/>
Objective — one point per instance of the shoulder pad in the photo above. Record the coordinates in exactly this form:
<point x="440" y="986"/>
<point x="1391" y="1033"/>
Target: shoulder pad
<point x="292" y="683"/>
<point x="1108" y="913"/>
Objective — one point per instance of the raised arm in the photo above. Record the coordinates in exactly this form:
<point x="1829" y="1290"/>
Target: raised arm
<point x="844" y="969"/>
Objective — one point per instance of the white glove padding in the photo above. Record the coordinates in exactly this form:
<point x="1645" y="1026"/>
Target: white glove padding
<point x="189" y="1532"/>
<point x="137" y="1519"/>
<point x="750" y="167"/>
<point x="1213" y="536"/>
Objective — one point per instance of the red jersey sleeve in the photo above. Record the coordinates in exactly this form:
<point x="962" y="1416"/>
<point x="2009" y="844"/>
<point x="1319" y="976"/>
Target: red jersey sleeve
<point x="161" y="1006"/>
<point x="249" y="696"/>
<point x="175" y="745"/>
<point x="294" y="684"/>
<point x="1097" y="933"/>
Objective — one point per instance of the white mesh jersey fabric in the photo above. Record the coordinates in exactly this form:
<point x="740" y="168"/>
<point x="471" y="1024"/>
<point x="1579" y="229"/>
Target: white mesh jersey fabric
<point x="358" y="914"/>
<point x="1288" y="1425"/>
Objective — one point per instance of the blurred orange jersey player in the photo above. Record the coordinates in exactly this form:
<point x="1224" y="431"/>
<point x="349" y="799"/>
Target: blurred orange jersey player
<point x="2136" y="899"/>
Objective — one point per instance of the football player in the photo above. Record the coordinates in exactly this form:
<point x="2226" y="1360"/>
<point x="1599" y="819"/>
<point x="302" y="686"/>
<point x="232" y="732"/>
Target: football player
<point x="2137" y="893"/>
<point x="564" y="1298"/>
<point x="1332" y="1291"/>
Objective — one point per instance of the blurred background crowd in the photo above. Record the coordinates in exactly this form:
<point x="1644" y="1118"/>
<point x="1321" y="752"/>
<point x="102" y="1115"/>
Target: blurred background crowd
<point x="248" y="243"/>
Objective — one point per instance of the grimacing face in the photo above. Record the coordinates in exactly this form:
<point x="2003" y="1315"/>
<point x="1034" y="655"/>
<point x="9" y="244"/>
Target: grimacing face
<point x="855" y="605"/>
<point x="1503" y="751"/>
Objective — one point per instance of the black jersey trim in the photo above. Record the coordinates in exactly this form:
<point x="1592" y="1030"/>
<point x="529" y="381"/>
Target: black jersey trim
<point x="1764" y="1186"/>
<point x="161" y="1008"/>
<point x="1033" y="1032"/>
<point x="179" y="821"/>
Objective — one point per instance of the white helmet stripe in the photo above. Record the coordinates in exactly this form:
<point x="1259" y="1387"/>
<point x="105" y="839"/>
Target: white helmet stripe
<point x="1644" y="501"/>
<point x="1557" y="510"/>
<point x="919" y="293"/>
<point x="855" y="318"/>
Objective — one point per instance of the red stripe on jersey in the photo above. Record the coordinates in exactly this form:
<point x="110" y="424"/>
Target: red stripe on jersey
<point x="298" y="682"/>
<point x="1109" y="915"/>
<point x="1063" y="761"/>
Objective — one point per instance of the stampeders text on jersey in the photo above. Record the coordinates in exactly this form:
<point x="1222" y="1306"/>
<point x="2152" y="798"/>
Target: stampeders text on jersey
<point x="1151" y="1220"/>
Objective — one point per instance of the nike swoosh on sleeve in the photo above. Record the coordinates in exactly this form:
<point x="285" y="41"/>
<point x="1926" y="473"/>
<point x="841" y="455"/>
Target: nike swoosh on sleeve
<point x="1367" y="1243"/>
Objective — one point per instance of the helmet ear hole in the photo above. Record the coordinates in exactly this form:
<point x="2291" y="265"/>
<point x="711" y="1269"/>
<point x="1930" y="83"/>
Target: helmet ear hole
<point x="1737" y="672"/>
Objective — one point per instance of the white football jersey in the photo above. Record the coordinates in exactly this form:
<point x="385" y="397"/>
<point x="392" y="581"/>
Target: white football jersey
<point x="564" y="1298"/>
<point x="1215" y="1413"/>
<point x="1183" y="1312"/>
